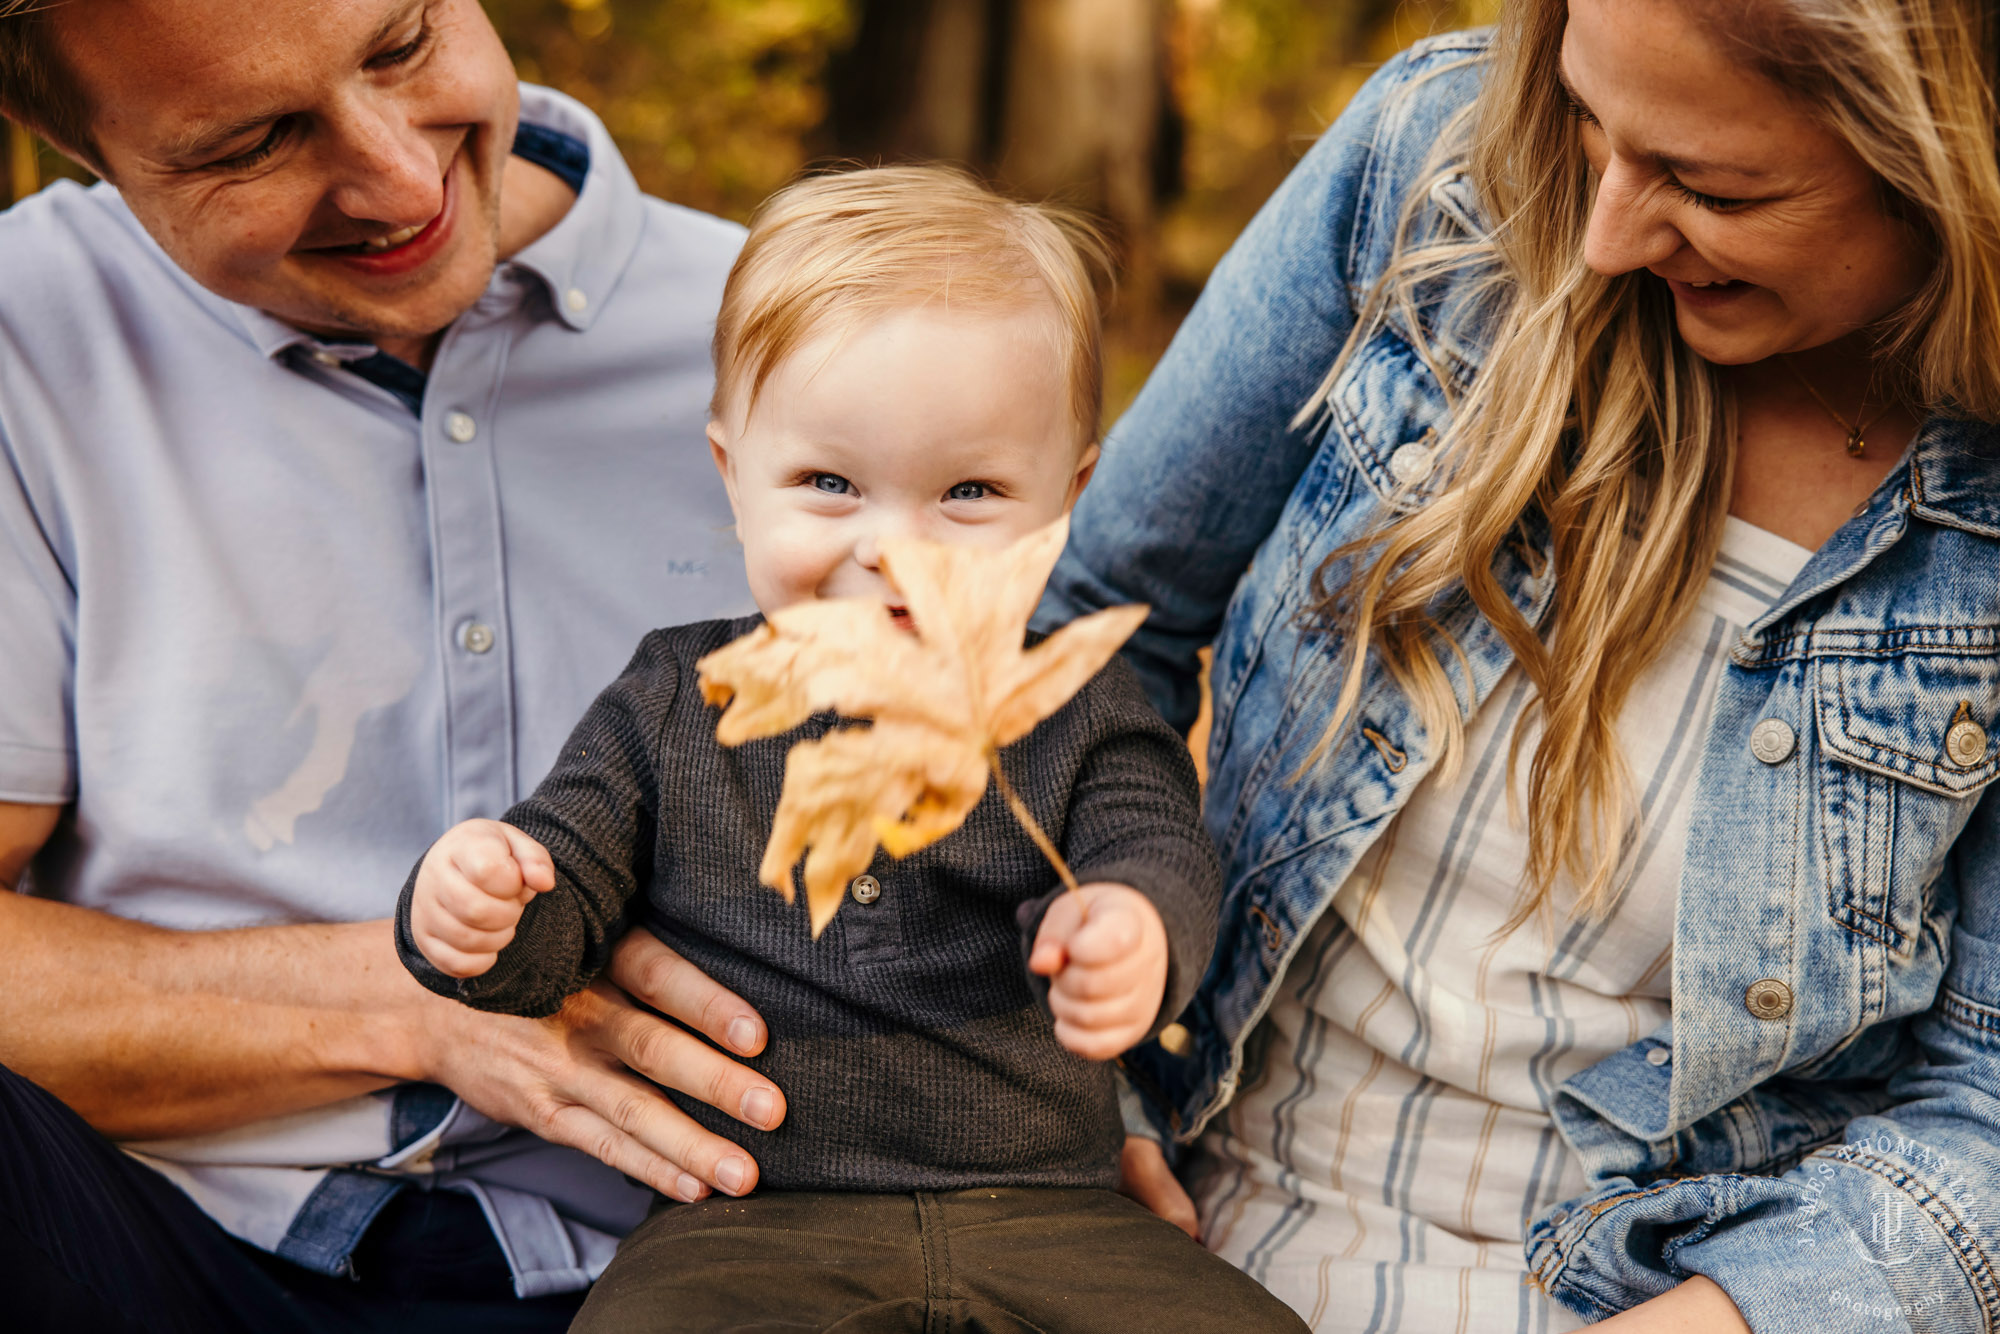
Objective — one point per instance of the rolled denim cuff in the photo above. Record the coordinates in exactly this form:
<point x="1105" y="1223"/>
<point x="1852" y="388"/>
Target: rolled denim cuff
<point x="1847" y="1240"/>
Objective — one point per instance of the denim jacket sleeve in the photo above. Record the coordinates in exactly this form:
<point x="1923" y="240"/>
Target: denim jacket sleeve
<point x="1214" y="420"/>
<point x="1893" y="1225"/>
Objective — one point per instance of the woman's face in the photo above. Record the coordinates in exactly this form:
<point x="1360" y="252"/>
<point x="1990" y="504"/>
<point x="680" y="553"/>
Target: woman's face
<point x="1767" y="228"/>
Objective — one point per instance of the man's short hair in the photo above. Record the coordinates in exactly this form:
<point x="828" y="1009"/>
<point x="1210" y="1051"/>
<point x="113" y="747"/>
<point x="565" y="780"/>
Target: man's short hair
<point x="837" y="250"/>
<point x="37" y="88"/>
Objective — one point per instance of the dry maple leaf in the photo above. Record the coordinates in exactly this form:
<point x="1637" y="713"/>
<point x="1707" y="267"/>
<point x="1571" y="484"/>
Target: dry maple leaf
<point x="942" y="701"/>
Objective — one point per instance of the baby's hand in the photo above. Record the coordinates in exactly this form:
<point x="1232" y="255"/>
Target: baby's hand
<point x="470" y="891"/>
<point x="1105" y="948"/>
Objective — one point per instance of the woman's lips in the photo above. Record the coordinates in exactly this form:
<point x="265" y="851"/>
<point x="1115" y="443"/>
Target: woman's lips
<point x="417" y="248"/>
<point x="1710" y="296"/>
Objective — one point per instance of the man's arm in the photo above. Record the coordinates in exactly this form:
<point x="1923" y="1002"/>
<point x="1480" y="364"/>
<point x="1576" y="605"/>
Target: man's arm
<point x="150" y="1033"/>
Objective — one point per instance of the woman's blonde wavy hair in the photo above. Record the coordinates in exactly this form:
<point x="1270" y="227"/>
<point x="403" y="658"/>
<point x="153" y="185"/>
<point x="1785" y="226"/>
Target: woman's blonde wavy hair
<point x="1590" y="415"/>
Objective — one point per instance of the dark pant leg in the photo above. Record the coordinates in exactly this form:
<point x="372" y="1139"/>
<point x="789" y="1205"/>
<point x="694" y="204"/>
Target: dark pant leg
<point x="786" y="1261"/>
<point x="1084" y="1261"/>
<point x="91" y="1240"/>
<point x="989" y="1261"/>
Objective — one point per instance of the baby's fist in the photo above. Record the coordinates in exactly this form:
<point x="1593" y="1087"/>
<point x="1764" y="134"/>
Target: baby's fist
<point x="1104" y="949"/>
<point x="470" y="891"/>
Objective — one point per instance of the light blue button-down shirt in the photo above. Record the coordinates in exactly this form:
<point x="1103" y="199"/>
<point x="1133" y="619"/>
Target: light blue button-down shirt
<point x="272" y="633"/>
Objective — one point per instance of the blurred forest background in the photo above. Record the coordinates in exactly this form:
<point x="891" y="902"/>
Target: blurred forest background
<point x="1169" y="119"/>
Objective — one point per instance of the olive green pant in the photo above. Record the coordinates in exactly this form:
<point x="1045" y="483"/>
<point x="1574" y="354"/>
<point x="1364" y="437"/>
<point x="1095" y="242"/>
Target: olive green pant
<point x="989" y="1260"/>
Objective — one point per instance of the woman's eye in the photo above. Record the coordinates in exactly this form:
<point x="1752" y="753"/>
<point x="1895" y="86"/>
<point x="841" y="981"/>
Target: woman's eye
<point x="969" y="491"/>
<point x="832" y="483"/>
<point x="1713" y="202"/>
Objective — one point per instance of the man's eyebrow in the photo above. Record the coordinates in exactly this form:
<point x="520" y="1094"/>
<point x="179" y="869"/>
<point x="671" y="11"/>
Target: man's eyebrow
<point x="1679" y="166"/>
<point x="197" y="144"/>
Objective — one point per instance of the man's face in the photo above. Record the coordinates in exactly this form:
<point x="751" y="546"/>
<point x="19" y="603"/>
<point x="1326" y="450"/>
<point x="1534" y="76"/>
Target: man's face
<point x="336" y="163"/>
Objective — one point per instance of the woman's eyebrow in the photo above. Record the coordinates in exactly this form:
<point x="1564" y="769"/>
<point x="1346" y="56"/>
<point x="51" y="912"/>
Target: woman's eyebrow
<point x="1679" y="166"/>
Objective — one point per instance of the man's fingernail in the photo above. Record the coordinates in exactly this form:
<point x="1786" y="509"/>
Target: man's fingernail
<point x="758" y="1106"/>
<point x="688" y="1188"/>
<point x="731" y="1174"/>
<point x="743" y="1035"/>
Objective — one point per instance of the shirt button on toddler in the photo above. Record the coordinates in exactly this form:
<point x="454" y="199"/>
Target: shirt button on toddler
<point x="460" y="427"/>
<point x="865" y="889"/>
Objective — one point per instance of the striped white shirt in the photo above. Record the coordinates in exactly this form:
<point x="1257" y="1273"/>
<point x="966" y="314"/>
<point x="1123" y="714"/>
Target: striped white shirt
<point x="1378" y="1172"/>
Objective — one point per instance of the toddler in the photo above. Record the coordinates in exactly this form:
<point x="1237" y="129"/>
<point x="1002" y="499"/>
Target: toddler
<point x="899" y="351"/>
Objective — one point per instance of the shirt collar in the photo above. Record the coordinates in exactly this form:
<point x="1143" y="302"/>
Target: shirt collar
<point x="1955" y="474"/>
<point x="579" y="260"/>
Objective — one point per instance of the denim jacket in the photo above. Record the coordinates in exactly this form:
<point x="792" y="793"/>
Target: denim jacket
<point x="1818" y="1126"/>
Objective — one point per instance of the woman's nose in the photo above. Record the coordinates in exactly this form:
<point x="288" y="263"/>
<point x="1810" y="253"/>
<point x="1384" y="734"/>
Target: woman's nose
<point x="1626" y="230"/>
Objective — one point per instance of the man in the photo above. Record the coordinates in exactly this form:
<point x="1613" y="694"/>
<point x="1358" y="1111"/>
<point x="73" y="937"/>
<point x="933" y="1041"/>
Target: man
<point x="317" y="424"/>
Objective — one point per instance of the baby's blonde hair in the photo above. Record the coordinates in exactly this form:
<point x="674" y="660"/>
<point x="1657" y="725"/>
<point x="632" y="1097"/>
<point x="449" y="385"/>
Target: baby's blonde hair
<point x="840" y="249"/>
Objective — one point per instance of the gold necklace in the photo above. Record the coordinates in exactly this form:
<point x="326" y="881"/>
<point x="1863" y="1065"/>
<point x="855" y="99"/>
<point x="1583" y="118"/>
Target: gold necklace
<point x="1857" y="429"/>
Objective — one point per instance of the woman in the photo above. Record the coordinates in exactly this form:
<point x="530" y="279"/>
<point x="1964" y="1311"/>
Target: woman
<point x="1605" y="652"/>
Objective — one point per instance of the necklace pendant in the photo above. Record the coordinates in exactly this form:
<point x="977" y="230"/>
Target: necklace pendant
<point x="1856" y="446"/>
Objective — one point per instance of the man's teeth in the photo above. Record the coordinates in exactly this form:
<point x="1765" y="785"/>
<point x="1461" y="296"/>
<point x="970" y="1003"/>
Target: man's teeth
<point x="1718" y="282"/>
<point x="393" y="239"/>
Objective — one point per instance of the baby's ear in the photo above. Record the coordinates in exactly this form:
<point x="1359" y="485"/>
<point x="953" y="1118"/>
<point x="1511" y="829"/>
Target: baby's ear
<point x="725" y="463"/>
<point x="1086" y="464"/>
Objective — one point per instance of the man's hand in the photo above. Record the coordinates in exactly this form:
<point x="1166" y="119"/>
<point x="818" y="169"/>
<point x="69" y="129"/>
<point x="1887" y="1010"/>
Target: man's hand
<point x="470" y="891"/>
<point x="1143" y="1176"/>
<point x="576" y="1078"/>
<point x="1105" y="949"/>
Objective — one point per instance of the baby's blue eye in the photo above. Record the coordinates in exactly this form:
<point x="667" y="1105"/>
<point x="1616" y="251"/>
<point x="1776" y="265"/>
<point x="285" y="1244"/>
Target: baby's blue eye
<point x="968" y="491"/>
<point x="832" y="483"/>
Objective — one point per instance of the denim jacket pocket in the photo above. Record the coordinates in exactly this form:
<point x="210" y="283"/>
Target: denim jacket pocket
<point x="1391" y="411"/>
<point x="1907" y="736"/>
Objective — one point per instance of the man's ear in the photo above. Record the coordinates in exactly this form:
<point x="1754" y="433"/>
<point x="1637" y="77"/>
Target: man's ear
<point x="725" y="463"/>
<point x="1085" y="466"/>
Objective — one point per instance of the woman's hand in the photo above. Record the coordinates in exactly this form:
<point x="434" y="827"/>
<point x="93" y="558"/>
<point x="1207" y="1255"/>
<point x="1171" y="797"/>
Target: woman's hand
<point x="1143" y="1175"/>
<point x="575" y="1078"/>
<point x="1697" y="1306"/>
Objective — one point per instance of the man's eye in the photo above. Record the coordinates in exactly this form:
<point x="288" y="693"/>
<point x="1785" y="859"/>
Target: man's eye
<point x="969" y="491"/>
<point x="832" y="483"/>
<point x="405" y="53"/>
<point x="265" y="147"/>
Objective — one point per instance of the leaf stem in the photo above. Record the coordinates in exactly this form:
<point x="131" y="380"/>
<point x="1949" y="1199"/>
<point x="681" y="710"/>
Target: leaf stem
<point x="1027" y="819"/>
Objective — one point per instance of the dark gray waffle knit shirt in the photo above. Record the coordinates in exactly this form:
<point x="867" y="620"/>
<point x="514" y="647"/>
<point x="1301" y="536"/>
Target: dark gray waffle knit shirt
<point x="909" y="1039"/>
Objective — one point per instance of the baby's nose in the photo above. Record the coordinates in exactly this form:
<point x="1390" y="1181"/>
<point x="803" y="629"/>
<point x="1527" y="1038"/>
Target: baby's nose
<point x="868" y="552"/>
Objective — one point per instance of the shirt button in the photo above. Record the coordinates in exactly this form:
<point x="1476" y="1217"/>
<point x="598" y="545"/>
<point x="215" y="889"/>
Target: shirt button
<point x="477" y="637"/>
<point x="1659" y="1056"/>
<point x="1176" y="1039"/>
<point x="1773" y="741"/>
<point x="865" y="889"/>
<point x="460" y="427"/>
<point x="1411" y="463"/>
<point x="576" y="300"/>
<point x="1965" y="743"/>
<point x="1768" y="998"/>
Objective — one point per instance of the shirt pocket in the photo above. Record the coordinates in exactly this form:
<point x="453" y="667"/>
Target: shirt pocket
<point x="1908" y="741"/>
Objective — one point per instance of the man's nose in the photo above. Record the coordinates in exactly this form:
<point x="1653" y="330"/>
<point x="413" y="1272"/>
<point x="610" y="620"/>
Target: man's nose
<point x="1626" y="230"/>
<point x="386" y="169"/>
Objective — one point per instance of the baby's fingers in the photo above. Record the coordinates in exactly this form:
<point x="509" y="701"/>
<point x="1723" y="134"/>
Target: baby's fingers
<point x="538" y="870"/>
<point x="1110" y="933"/>
<point x="477" y="908"/>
